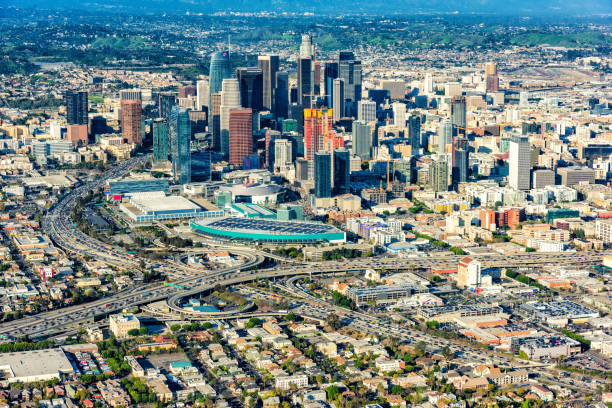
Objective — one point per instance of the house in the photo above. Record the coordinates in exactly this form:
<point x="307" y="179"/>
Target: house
<point x="395" y="400"/>
<point x="542" y="392"/>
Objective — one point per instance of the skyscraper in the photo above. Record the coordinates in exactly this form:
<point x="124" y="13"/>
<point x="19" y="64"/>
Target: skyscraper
<point x="76" y="107"/>
<point x="322" y="165"/>
<point x="317" y="125"/>
<point x="165" y="103"/>
<point x="461" y="157"/>
<point x="438" y="173"/>
<point x="428" y="85"/>
<point x="131" y="121"/>
<point x="281" y="95"/>
<point x="330" y="73"/>
<point x="366" y="111"/>
<point x="240" y="135"/>
<point x="362" y="140"/>
<point x="271" y="136"/>
<point x="338" y="99"/>
<point x="269" y="67"/>
<point x="220" y="69"/>
<point x="179" y="128"/>
<point x="399" y="114"/>
<point x="520" y="163"/>
<point x="349" y="69"/>
<point x="133" y="94"/>
<point x="304" y="80"/>
<point x="414" y="131"/>
<point x="214" y="120"/>
<point x="458" y="115"/>
<point x="187" y="91"/>
<point x="230" y="99"/>
<point x="306" y="47"/>
<point x="203" y="94"/>
<point x="492" y="83"/>
<point x="160" y="140"/>
<point x="445" y="135"/>
<point x="490" y="68"/>
<point x="283" y="153"/>
<point x="342" y="166"/>
<point x="251" y="87"/>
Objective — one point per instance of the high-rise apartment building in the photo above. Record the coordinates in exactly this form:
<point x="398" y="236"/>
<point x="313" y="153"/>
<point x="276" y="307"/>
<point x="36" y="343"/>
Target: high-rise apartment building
<point x="322" y="165"/>
<point x="520" y="163"/>
<point x="399" y="114"/>
<point x="317" y="124"/>
<point x="214" y="120"/>
<point x="461" y="157"/>
<point x="230" y="99"/>
<point x="240" y="135"/>
<point x="179" y="129"/>
<point x="458" y="115"/>
<point x="76" y="107"/>
<point x="131" y="121"/>
<point x="438" y="173"/>
<point x="269" y="67"/>
<point x="445" y="135"/>
<point x="251" y="88"/>
<point x="160" y="140"/>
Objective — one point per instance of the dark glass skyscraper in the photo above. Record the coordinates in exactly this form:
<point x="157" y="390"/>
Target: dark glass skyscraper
<point x="160" y="140"/>
<point x="304" y="79"/>
<point x="342" y="167"/>
<point x="251" y="88"/>
<point x="458" y="116"/>
<point x="330" y="73"/>
<point x="165" y="103"/>
<point x="76" y="107"/>
<point x="220" y="68"/>
<point x="349" y="69"/>
<point x="414" y="132"/>
<point x="322" y="167"/>
<point x="281" y="95"/>
<point x="180" y="136"/>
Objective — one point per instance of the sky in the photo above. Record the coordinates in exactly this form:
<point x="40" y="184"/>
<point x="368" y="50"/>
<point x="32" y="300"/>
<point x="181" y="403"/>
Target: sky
<point x="500" y="7"/>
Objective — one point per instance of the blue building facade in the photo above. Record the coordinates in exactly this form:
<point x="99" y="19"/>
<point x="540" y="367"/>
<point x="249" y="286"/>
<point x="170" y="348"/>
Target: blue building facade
<point x="180" y="136"/>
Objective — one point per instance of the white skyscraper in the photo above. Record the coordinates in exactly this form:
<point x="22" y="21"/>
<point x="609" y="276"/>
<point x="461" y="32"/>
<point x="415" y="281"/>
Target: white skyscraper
<point x="445" y="135"/>
<point x="520" y="163"/>
<point x="428" y="85"/>
<point x="366" y="111"/>
<point x="338" y="99"/>
<point x="524" y="98"/>
<point x="202" y="92"/>
<point x="230" y="99"/>
<point x="399" y="114"/>
<point x="282" y="153"/>
<point x="306" y="48"/>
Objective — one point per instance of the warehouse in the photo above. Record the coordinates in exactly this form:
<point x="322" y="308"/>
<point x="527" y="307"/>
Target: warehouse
<point x="35" y="365"/>
<point x="157" y="206"/>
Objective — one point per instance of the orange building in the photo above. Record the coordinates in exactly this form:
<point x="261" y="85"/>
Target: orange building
<point x="77" y="134"/>
<point x="131" y="121"/>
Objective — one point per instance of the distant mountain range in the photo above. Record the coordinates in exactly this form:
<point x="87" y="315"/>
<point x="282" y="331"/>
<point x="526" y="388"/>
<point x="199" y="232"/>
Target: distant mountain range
<point x="386" y="7"/>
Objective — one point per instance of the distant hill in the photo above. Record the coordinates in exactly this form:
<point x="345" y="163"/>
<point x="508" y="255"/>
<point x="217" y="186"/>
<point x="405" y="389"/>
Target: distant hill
<point x="506" y="7"/>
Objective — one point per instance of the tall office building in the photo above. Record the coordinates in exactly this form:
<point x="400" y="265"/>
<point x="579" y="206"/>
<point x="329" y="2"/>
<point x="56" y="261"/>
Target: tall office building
<point x="214" y="120"/>
<point x="251" y="88"/>
<point x="342" y="168"/>
<point x="220" y="69"/>
<point x="520" y="163"/>
<point x="428" y="84"/>
<point x="362" y="140"/>
<point x="445" y="135"/>
<point x="283" y="153"/>
<point x="203" y="94"/>
<point x="399" y="114"/>
<point x="306" y="47"/>
<point x="322" y="166"/>
<point x="438" y="173"/>
<point x="133" y="94"/>
<point x="317" y="125"/>
<point x="269" y="67"/>
<point x="304" y="80"/>
<point x="281" y="95"/>
<point x="461" y="158"/>
<point x="271" y="136"/>
<point x="349" y="69"/>
<point x="165" y="103"/>
<point x="230" y="99"/>
<point x="131" y="121"/>
<point x="492" y="83"/>
<point x="160" y="140"/>
<point x="458" y="116"/>
<point x="240" y="135"/>
<point x="179" y="128"/>
<point x="338" y="99"/>
<point x="330" y="74"/>
<point x="76" y="107"/>
<point x="414" y="131"/>
<point x="366" y="111"/>
<point x="490" y="68"/>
